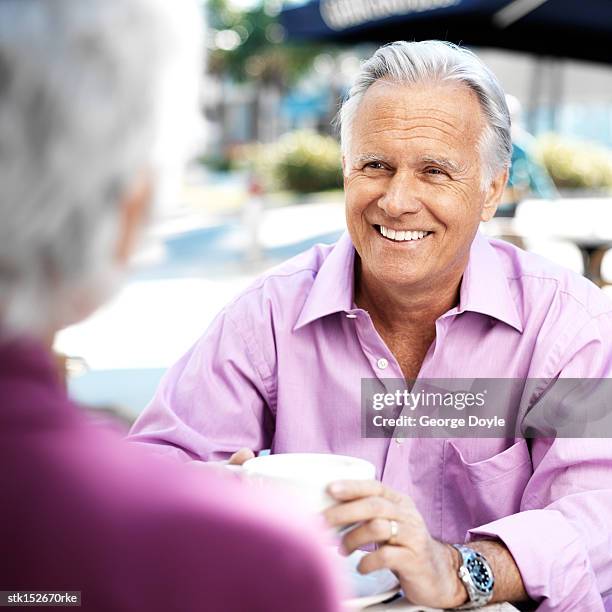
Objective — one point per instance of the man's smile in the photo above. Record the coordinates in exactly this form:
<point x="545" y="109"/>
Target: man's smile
<point x="397" y="235"/>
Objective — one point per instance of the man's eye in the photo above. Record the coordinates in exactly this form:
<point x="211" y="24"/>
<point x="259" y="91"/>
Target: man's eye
<point x="435" y="171"/>
<point x="375" y="165"/>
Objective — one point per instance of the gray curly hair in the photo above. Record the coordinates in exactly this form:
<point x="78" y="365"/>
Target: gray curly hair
<point x="93" y="94"/>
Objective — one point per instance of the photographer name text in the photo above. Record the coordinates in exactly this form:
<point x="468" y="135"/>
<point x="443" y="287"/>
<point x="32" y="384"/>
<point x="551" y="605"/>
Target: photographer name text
<point x="434" y="422"/>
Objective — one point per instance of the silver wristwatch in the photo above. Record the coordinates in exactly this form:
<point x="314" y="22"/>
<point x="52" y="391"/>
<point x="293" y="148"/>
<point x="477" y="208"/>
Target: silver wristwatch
<point x="477" y="577"/>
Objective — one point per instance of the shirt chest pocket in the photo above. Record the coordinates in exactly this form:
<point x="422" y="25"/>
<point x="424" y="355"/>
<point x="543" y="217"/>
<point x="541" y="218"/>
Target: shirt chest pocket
<point x="478" y="492"/>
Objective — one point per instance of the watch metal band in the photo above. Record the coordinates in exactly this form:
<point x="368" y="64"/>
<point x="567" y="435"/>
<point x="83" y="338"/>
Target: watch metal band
<point x="479" y="595"/>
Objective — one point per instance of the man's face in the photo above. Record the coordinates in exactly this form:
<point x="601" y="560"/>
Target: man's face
<point x="413" y="168"/>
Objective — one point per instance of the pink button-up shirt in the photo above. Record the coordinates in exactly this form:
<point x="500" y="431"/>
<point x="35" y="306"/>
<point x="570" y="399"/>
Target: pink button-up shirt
<point x="281" y="366"/>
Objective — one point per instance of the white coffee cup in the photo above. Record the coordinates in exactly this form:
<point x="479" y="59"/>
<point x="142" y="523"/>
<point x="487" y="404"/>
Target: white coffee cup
<point x="307" y="475"/>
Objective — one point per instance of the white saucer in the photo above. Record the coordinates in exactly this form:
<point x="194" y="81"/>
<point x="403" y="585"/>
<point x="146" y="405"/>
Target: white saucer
<point x="359" y="603"/>
<point x="375" y="584"/>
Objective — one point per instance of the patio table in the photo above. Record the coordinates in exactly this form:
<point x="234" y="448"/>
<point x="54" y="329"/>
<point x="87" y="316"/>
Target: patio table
<point x="401" y="605"/>
<point x="586" y="222"/>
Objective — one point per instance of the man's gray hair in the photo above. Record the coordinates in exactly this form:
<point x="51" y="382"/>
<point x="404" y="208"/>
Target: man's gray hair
<point x="94" y="95"/>
<point x="436" y="61"/>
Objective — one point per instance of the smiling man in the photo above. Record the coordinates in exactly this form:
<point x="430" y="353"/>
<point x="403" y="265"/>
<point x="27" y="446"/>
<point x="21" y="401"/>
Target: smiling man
<point x="414" y="291"/>
<point x="416" y="192"/>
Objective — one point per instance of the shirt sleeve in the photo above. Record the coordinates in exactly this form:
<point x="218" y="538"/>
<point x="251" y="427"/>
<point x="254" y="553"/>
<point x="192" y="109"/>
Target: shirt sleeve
<point x="216" y="399"/>
<point x="562" y="537"/>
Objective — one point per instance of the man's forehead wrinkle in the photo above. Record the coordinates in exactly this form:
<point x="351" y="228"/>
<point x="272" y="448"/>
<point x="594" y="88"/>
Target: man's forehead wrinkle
<point x="373" y="142"/>
<point x="416" y="123"/>
<point x="423" y="115"/>
<point x="409" y="123"/>
<point x="434" y="114"/>
<point x="373" y="151"/>
<point x="458" y="128"/>
<point x="455" y="126"/>
<point x="462" y="111"/>
<point x="408" y="131"/>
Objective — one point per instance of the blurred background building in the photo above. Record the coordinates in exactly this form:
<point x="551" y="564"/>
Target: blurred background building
<point x="266" y="183"/>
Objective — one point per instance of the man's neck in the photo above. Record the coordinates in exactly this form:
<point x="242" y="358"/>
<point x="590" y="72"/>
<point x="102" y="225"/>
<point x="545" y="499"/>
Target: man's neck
<point x="413" y="307"/>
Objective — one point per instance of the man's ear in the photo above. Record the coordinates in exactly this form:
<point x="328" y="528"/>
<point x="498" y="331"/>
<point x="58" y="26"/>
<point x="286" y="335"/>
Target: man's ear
<point x="132" y="212"/>
<point x="344" y="170"/>
<point x="493" y="195"/>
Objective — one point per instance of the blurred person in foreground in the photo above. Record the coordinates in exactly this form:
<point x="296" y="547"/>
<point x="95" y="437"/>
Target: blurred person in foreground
<point x="95" y="102"/>
<point x="414" y="291"/>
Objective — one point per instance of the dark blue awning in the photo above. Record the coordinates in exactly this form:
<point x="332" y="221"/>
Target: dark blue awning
<point x="580" y="29"/>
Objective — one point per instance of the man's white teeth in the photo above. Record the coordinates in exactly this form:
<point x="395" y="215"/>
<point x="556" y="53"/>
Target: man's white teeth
<point x="402" y="236"/>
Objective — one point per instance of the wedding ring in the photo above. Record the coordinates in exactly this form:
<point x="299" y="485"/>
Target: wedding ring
<point x="393" y="528"/>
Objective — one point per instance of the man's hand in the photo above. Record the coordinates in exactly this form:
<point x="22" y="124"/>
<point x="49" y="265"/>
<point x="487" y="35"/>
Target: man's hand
<point x="239" y="457"/>
<point x="426" y="568"/>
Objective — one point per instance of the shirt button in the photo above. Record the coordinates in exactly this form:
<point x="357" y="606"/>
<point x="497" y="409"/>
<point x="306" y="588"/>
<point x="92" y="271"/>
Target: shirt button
<point x="382" y="363"/>
<point x="399" y="440"/>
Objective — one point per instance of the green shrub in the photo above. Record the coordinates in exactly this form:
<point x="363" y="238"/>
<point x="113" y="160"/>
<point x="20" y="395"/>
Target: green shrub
<point x="301" y="161"/>
<point x="575" y="164"/>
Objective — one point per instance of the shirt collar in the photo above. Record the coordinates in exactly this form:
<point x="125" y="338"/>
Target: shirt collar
<point x="332" y="290"/>
<point x="484" y="287"/>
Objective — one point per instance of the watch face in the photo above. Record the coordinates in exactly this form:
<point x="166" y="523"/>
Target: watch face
<point x="480" y="574"/>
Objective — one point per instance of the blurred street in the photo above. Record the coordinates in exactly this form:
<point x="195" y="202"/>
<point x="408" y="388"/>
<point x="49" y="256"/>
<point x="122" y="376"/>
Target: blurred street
<point x="192" y="266"/>
<point x="265" y="181"/>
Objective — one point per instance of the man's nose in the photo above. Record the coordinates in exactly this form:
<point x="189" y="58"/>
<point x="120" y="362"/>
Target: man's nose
<point x="401" y="195"/>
